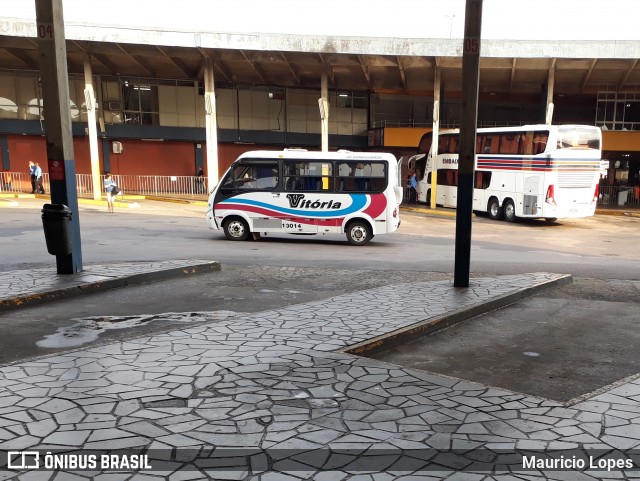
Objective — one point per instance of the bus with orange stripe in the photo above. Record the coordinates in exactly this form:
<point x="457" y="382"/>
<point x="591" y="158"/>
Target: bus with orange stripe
<point x="301" y="192"/>
<point x="531" y="171"/>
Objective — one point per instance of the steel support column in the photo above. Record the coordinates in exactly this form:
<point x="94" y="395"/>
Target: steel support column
<point x="466" y="162"/>
<point x="55" y="92"/>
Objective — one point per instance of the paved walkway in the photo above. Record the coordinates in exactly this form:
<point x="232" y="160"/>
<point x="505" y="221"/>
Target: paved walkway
<point x="270" y="396"/>
<point x="22" y="287"/>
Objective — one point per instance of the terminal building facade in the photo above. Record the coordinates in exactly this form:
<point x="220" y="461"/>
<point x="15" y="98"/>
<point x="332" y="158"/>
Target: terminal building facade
<point x="152" y="105"/>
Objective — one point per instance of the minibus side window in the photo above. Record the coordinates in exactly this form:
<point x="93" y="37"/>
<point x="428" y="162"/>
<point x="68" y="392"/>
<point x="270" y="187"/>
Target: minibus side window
<point x="304" y="175"/>
<point x="252" y="176"/>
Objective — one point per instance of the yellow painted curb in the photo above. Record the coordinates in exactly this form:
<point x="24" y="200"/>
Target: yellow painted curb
<point x="420" y="210"/>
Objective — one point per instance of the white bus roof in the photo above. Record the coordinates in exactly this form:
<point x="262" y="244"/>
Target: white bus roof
<point x="304" y="154"/>
<point x="520" y="128"/>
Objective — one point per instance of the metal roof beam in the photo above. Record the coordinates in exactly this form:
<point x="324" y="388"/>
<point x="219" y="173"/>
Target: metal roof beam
<point x="141" y="62"/>
<point x="23" y="57"/>
<point x="626" y="75"/>
<point x="106" y="62"/>
<point x="588" y="74"/>
<point x="261" y="73"/>
<point x="403" y="76"/>
<point x="365" y="71"/>
<point x="296" y="77"/>
<point x="178" y="62"/>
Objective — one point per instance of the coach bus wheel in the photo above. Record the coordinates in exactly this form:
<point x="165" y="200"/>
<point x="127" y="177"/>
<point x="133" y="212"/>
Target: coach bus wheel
<point x="509" y="211"/>
<point x="236" y="229"/>
<point x="495" y="211"/>
<point x="358" y="233"/>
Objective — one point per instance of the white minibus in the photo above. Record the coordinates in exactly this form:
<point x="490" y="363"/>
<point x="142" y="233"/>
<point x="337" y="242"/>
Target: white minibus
<point x="301" y="192"/>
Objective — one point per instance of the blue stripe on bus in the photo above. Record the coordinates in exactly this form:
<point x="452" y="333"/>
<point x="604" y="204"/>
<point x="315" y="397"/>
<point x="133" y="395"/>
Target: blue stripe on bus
<point x="358" y="202"/>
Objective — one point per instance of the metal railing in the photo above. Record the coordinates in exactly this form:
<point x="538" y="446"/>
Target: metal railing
<point x="183" y="186"/>
<point x="619" y="195"/>
<point x="193" y="187"/>
<point x="186" y="186"/>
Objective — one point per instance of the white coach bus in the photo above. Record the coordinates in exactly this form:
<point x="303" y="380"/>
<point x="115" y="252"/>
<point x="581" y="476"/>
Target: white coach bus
<point x="534" y="171"/>
<point x="301" y="192"/>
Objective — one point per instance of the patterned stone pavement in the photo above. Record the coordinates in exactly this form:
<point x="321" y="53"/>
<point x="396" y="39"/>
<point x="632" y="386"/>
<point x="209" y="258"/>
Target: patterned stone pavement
<point x="21" y="287"/>
<point x="268" y="396"/>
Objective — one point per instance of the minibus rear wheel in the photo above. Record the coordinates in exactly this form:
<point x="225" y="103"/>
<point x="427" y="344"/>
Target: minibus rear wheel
<point x="236" y="229"/>
<point x="358" y="233"/>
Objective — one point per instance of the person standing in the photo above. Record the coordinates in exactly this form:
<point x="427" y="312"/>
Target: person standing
<point x="32" y="176"/>
<point x="413" y="189"/>
<point x="38" y="173"/>
<point x="111" y="189"/>
<point x="6" y="180"/>
<point x="200" y="181"/>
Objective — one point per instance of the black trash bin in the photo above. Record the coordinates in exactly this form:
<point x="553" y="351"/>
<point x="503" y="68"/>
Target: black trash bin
<point x="56" y="220"/>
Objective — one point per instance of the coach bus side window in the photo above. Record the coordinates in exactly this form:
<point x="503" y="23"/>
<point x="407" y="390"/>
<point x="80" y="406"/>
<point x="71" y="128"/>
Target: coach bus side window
<point x="488" y="144"/>
<point x="509" y="143"/>
<point x="443" y="144"/>
<point x="540" y="141"/>
<point x="483" y="179"/>
<point x="425" y="143"/>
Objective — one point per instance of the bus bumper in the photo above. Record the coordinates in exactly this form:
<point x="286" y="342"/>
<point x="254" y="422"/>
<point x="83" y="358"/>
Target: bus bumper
<point x="211" y="221"/>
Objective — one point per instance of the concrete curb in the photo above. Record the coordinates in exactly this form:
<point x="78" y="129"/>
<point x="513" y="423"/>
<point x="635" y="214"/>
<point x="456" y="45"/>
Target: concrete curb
<point x="451" y="213"/>
<point x="434" y="324"/>
<point x="104" y="283"/>
<point x="625" y="213"/>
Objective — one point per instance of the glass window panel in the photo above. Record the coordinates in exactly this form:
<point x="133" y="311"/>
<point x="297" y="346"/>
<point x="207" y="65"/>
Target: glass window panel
<point x="308" y="175"/>
<point x="8" y="89"/>
<point x="26" y="87"/>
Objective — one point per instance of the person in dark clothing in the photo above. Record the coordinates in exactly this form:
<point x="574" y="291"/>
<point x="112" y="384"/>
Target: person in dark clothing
<point x="32" y="176"/>
<point x="39" y="188"/>
<point x="200" y="189"/>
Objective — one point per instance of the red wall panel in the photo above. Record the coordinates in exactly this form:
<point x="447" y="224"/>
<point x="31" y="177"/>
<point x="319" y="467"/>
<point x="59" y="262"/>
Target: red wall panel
<point x="140" y="157"/>
<point x="24" y="148"/>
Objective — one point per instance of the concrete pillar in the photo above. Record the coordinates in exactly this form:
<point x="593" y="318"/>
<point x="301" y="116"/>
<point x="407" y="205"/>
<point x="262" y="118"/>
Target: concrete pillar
<point x="550" y="85"/>
<point x="90" y="102"/>
<point x="211" y="135"/>
<point x="434" y="138"/>
<point x="324" y="111"/>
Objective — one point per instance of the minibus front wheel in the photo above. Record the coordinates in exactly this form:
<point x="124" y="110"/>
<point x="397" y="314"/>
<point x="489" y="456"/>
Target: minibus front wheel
<point x="358" y="233"/>
<point x="236" y="228"/>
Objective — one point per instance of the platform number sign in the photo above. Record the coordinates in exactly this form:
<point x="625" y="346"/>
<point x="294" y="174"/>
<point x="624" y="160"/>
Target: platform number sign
<point x="45" y="31"/>
<point x="471" y="46"/>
